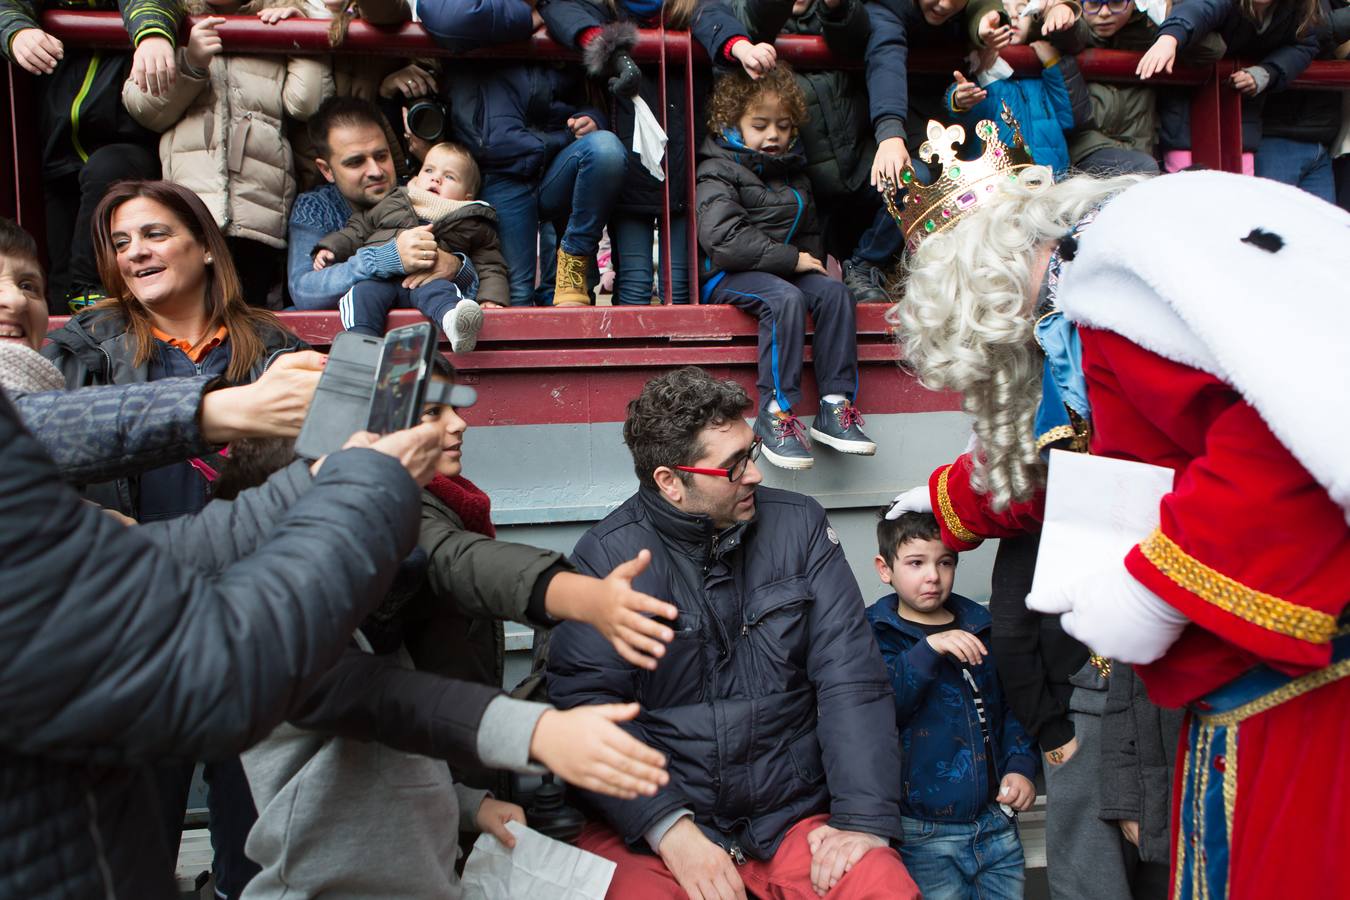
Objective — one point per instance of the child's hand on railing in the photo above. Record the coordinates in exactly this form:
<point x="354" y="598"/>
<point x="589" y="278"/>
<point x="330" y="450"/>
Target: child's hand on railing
<point x="153" y="67"/>
<point x="278" y="14"/>
<point x="36" y="51"/>
<point x="204" y="43"/>
<point x="756" y="59"/>
<point x="1159" y="58"/>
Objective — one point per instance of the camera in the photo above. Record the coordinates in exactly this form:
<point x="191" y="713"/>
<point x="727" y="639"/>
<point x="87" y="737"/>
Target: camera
<point x="427" y="119"/>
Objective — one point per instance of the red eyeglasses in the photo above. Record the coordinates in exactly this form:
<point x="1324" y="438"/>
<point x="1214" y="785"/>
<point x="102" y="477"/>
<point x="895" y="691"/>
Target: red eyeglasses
<point x="737" y="468"/>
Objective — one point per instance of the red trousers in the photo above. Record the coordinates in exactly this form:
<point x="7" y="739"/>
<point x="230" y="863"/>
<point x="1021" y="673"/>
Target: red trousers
<point x="879" y="874"/>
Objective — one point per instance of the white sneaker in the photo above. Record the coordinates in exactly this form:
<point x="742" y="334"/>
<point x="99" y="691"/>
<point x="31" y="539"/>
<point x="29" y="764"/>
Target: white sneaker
<point x="462" y="325"/>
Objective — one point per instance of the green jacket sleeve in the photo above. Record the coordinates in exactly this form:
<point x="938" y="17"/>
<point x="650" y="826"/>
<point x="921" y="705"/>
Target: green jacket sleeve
<point x="151" y="18"/>
<point x="15" y="16"/>
<point x="482" y="577"/>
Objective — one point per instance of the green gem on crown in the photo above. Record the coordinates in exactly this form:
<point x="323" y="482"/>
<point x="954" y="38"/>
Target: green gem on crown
<point x="906" y="176"/>
<point x="929" y="226"/>
<point x="956" y="171"/>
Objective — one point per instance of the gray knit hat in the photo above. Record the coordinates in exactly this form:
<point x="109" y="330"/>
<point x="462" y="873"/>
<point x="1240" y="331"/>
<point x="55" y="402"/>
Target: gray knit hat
<point x="25" y="371"/>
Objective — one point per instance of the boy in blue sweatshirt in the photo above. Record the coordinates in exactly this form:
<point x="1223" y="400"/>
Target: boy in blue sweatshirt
<point x="967" y="762"/>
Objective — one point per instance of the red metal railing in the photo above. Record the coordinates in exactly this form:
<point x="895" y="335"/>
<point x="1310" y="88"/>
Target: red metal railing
<point x="605" y="336"/>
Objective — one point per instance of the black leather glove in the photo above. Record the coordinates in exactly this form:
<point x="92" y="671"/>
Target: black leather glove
<point x="627" y="76"/>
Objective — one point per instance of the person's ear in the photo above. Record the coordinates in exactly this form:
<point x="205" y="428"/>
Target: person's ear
<point x="670" y="484"/>
<point x="324" y="169"/>
<point x="883" y="568"/>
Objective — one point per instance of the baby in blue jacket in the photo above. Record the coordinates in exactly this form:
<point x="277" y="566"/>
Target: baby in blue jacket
<point x="967" y="762"/>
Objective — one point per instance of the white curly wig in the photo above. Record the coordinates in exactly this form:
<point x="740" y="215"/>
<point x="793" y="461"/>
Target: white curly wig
<point x="965" y="317"/>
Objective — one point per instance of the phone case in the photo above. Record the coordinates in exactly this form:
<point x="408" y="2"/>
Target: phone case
<point x="341" y="402"/>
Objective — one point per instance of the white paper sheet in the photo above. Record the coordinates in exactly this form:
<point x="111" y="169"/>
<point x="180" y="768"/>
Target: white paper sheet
<point x="1096" y="509"/>
<point x="649" y="140"/>
<point x="538" y="867"/>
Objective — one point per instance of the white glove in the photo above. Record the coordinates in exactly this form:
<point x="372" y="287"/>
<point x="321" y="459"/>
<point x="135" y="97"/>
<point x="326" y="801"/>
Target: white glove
<point x="1113" y="614"/>
<point x="916" y="499"/>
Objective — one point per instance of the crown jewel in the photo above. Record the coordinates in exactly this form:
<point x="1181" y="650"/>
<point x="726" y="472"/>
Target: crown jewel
<point x="964" y="184"/>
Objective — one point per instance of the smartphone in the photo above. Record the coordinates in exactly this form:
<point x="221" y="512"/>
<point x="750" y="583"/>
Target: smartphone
<point x="341" y="402"/>
<point x="401" y="378"/>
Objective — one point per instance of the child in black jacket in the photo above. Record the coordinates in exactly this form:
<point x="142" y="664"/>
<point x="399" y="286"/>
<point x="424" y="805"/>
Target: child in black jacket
<point x="762" y="251"/>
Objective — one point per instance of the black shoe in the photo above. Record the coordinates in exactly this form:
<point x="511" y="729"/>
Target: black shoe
<point x="839" y="425"/>
<point x="785" y="444"/>
<point x="865" y="282"/>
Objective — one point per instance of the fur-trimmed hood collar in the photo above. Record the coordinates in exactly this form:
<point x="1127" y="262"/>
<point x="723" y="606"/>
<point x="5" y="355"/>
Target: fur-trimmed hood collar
<point x="612" y="38"/>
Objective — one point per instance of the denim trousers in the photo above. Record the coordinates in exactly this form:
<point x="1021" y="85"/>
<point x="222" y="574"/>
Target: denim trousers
<point x="578" y="187"/>
<point x="980" y="860"/>
<point x="1299" y="163"/>
<point x="634" y="270"/>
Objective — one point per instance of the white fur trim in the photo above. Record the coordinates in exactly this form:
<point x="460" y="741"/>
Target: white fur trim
<point x="1165" y="266"/>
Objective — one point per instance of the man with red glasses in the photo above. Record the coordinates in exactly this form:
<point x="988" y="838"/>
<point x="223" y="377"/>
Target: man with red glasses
<point x="771" y="703"/>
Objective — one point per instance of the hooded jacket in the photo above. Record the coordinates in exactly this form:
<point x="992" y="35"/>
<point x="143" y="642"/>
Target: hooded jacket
<point x="117" y="653"/>
<point x="95" y="348"/>
<point x="470" y="228"/>
<point x="223" y="131"/>
<point x="837" y="136"/>
<point x="755" y="210"/>
<point x="771" y="703"/>
<point x="80" y="103"/>
<point x="945" y="775"/>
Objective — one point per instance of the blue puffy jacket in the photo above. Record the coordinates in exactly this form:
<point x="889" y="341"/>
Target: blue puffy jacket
<point x="771" y="702"/>
<point x="713" y="26"/>
<point x="1042" y="107"/>
<point x="511" y="116"/>
<point x="944" y="776"/>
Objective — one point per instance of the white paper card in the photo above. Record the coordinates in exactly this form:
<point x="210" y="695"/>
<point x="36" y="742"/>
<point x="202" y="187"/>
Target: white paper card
<point x="649" y="139"/>
<point x="1096" y="509"/>
<point x="538" y="867"/>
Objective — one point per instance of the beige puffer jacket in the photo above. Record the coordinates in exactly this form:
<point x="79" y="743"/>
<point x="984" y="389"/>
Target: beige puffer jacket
<point x="224" y="133"/>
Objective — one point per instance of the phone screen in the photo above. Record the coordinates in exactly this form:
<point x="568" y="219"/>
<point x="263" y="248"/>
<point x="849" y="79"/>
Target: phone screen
<point x="400" y="380"/>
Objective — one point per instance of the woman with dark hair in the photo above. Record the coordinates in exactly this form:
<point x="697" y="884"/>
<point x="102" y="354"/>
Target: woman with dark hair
<point x="174" y="307"/>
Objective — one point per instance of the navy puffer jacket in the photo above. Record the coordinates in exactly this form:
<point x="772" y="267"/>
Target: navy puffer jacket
<point x="772" y="701"/>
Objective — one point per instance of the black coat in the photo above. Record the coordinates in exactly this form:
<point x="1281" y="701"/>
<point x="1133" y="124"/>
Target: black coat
<point x="1139" y="756"/>
<point x="95" y="348"/>
<point x="116" y="653"/>
<point x="755" y="211"/>
<point x="772" y="702"/>
<point x="713" y="26"/>
<point x="837" y="136"/>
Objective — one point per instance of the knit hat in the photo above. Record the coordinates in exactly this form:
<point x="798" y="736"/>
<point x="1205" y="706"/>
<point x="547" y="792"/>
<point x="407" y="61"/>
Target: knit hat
<point x="25" y="371"/>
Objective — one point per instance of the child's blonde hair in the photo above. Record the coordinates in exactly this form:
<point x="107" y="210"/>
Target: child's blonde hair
<point x="736" y="91"/>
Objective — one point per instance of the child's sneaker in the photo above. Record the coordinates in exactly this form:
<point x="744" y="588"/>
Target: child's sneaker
<point x="839" y="425"/>
<point x="462" y="325"/>
<point x="864" y="281"/>
<point x="785" y="444"/>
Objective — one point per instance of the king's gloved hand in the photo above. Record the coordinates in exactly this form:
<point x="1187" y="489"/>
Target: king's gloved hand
<point x="1115" y="615"/>
<point x="916" y="499"/>
<point x="627" y="76"/>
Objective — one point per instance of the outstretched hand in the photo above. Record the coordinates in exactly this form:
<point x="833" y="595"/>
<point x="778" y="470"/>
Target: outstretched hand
<point x="630" y="620"/>
<point x="584" y="747"/>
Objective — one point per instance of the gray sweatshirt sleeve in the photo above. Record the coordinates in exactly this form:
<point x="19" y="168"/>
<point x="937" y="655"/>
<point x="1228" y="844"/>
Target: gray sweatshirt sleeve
<point x="504" y="734"/>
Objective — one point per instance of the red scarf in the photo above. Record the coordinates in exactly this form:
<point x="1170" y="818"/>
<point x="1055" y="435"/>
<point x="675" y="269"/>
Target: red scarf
<point x="468" y="502"/>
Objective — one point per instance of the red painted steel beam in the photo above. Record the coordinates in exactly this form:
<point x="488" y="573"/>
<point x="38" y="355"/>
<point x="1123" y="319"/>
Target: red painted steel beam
<point x="249" y="34"/>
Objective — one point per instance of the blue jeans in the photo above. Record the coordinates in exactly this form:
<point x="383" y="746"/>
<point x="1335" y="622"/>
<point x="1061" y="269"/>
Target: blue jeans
<point x="1298" y="163"/>
<point x="980" y="860"/>
<point x="579" y="187"/>
<point x="631" y="239"/>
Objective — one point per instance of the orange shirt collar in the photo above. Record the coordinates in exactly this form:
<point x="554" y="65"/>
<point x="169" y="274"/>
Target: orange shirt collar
<point x="203" y="348"/>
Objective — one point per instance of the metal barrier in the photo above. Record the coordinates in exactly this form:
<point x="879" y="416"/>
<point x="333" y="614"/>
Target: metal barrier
<point x="524" y="339"/>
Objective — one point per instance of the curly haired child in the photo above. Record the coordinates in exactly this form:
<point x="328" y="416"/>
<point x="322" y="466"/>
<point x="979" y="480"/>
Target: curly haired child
<point x="762" y="251"/>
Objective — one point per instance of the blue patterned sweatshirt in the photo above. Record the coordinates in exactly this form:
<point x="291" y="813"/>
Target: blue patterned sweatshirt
<point x="944" y="773"/>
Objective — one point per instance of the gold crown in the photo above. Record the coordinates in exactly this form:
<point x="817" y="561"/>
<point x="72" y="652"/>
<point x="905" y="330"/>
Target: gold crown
<point x="964" y="184"/>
